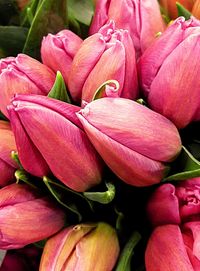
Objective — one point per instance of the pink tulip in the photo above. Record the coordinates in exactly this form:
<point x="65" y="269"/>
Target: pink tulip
<point x="135" y="142"/>
<point x="7" y="145"/>
<point x="108" y="54"/>
<point x="23" y="74"/>
<point x="49" y="135"/>
<point x="141" y="18"/>
<point x="167" y="250"/>
<point x="169" y="72"/>
<point x="58" y="51"/>
<point x="171" y="204"/>
<point x="85" y="247"/>
<point x="26" y="217"/>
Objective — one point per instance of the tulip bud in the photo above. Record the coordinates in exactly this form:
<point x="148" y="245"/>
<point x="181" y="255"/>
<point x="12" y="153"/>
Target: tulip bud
<point x="170" y="8"/>
<point x="169" y="76"/>
<point x="108" y="54"/>
<point x="7" y="145"/>
<point x="26" y="217"/>
<point x="85" y="247"/>
<point x="171" y="204"/>
<point x="166" y="250"/>
<point x="135" y="142"/>
<point x="141" y="18"/>
<point x="61" y="147"/>
<point x="58" y="51"/>
<point x="23" y="74"/>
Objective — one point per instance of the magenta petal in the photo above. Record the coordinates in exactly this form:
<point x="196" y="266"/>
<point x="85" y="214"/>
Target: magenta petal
<point x="65" y="147"/>
<point x="30" y="157"/>
<point x="127" y="164"/>
<point x="58" y="51"/>
<point x="153" y="57"/>
<point x="163" y="206"/>
<point x="100" y="16"/>
<point x="168" y="90"/>
<point x="84" y="61"/>
<point x="166" y="250"/>
<point x="130" y="123"/>
<point x="194" y="228"/>
<point x="111" y="65"/>
<point x="13" y="81"/>
<point x="37" y="72"/>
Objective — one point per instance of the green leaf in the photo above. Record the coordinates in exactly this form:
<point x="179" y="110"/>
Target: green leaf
<point x="182" y="11"/>
<point x="28" y="13"/>
<point x="50" y="17"/>
<point x="185" y="167"/>
<point x="12" y="39"/>
<point x="81" y="10"/>
<point x="102" y="197"/>
<point x="57" y="193"/>
<point x="59" y="90"/>
<point x="100" y="92"/>
<point x="124" y="262"/>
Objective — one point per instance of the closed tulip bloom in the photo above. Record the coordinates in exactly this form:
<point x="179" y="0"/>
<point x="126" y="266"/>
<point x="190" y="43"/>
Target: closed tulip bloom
<point x="85" y="247"/>
<point x="170" y="8"/>
<point x="23" y="74"/>
<point x="171" y="204"/>
<point x="135" y="142"/>
<point x="26" y="217"/>
<point x="172" y="89"/>
<point x="142" y="18"/>
<point x="108" y="54"/>
<point x="7" y="145"/>
<point x="63" y="147"/>
<point x="167" y="250"/>
<point x="58" y="51"/>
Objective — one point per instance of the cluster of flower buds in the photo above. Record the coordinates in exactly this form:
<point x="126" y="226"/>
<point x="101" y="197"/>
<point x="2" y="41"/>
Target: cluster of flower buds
<point x="129" y="54"/>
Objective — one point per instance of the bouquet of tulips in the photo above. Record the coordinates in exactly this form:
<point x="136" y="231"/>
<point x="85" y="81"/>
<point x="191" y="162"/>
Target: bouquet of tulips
<point x="99" y="135"/>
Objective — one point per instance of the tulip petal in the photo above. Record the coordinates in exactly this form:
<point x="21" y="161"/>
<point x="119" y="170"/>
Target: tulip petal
<point x="66" y="110"/>
<point x="151" y="23"/>
<point x="100" y="16"/>
<point x="29" y="156"/>
<point x="38" y="73"/>
<point x="111" y="66"/>
<point x="127" y="164"/>
<point x="18" y="219"/>
<point x="194" y="228"/>
<point x="95" y="248"/>
<point x="84" y="61"/>
<point x="59" y="248"/>
<point x="16" y="193"/>
<point x="164" y="97"/>
<point x="13" y="81"/>
<point x="7" y="173"/>
<point x="130" y="87"/>
<point x="166" y="250"/>
<point x="58" y="51"/>
<point x="153" y="57"/>
<point x="130" y="123"/>
<point x="163" y="206"/>
<point x="64" y="138"/>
